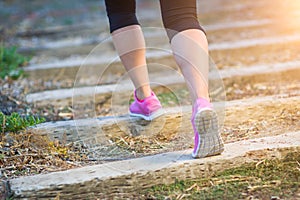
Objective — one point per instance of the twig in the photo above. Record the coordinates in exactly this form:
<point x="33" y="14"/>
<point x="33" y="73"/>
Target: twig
<point x="181" y="196"/>
<point x="33" y="155"/>
<point x="192" y="187"/>
<point x="73" y="163"/>
<point x="260" y="162"/>
<point x="122" y="139"/>
<point x="14" y="100"/>
<point x="3" y="124"/>
<point x="298" y="165"/>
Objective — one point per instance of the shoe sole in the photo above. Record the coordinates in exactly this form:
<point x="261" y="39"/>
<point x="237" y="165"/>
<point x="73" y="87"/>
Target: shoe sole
<point x="154" y="115"/>
<point x="210" y="141"/>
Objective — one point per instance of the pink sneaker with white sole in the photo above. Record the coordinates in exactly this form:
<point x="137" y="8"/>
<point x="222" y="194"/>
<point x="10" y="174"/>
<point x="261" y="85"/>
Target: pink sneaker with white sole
<point x="148" y="108"/>
<point x="208" y="141"/>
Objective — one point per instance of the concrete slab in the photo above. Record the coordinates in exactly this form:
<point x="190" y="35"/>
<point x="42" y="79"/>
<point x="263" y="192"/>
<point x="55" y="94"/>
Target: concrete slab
<point x="75" y="41"/>
<point x="254" y="42"/>
<point x="110" y="55"/>
<point x="122" y="178"/>
<point x="161" y="78"/>
<point x="95" y="130"/>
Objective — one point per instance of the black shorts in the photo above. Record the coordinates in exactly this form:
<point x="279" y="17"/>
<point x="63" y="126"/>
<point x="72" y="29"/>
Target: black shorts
<point x="177" y="15"/>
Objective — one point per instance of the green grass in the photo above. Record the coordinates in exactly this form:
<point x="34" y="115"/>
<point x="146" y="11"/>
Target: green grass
<point x="11" y="62"/>
<point x="262" y="180"/>
<point x="15" y="123"/>
<point x="168" y="99"/>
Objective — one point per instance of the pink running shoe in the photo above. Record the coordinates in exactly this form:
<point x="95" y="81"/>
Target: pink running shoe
<point x="208" y="141"/>
<point x="148" y="108"/>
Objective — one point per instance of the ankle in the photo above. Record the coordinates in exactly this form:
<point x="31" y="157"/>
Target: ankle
<point x="197" y="98"/>
<point x="202" y="103"/>
<point x="142" y="93"/>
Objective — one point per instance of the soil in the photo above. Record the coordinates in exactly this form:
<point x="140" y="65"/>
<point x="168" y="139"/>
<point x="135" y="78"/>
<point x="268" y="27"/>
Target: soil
<point x="12" y="98"/>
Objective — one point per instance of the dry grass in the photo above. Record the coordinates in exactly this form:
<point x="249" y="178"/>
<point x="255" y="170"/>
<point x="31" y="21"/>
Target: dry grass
<point x="30" y="153"/>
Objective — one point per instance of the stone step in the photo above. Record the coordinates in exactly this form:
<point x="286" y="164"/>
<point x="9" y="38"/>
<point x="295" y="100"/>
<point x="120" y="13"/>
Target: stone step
<point x="95" y="38"/>
<point x="99" y="59"/>
<point x="124" y="179"/>
<point x="87" y="71"/>
<point x="98" y="132"/>
<point x="64" y="97"/>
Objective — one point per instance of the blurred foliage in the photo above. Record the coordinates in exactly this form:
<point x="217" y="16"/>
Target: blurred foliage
<point x="11" y="62"/>
<point x="15" y="123"/>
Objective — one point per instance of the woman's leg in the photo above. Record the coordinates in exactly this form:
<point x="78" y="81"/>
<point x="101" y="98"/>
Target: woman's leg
<point x="189" y="44"/>
<point x="191" y="53"/>
<point x="129" y="42"/>
<point x="190" y="49"/>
